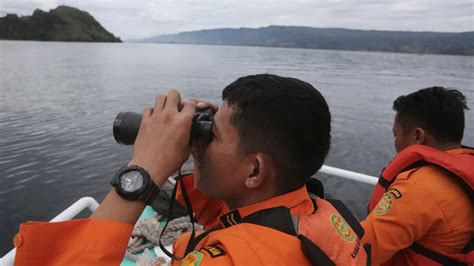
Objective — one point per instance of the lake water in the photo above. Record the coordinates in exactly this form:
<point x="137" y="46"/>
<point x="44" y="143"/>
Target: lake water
<point x="58" y="102"/>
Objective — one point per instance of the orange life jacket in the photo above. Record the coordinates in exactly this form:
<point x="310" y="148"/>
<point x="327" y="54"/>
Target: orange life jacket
<point x="330" y="236"/>
<point x="461" y="165"/>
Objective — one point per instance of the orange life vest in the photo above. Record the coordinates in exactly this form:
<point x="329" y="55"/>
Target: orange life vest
<point x="330" y="236"/>
<point x="461" y="165"/>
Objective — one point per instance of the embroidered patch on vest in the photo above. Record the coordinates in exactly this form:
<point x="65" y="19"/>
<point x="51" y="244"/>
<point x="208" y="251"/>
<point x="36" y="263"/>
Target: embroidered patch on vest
<point x="231" y="218"/>
<point x="192" y="259"/>
<point x="384" y="205"/>
<point x="214" y="251"/>
<point x="342" y="228"/>
<point x="395" y="193"/>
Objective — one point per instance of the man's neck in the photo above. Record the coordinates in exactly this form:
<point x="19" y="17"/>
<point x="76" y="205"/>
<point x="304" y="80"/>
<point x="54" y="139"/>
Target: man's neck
<point x="251" y="198"/>
<point x="446" y="146"/>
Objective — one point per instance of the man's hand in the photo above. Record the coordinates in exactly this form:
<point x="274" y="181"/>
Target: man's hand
<point x="162" y="143"/>
<point x="161" y="147"/>
<point x="203" y="104"/>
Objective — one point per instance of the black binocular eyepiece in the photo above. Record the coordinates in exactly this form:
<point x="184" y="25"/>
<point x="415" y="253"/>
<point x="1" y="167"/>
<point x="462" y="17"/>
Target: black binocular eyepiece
<point x="127" y="124"/>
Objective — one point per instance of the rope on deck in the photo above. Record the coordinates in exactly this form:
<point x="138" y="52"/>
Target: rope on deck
<point x="146" y="235"/>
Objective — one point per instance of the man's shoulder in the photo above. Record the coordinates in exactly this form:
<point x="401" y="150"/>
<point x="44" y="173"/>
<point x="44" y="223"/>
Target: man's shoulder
<point x="257" y="243"/>
<point x="424" y="174"/>
<point x="432" y="180"/>
<point x="250" y="234"/>
<point x="232" y="245"/>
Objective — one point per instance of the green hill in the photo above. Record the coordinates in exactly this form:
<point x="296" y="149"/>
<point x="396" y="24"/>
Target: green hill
<point x="61" y="24"/>
<point x="331" y="38"/>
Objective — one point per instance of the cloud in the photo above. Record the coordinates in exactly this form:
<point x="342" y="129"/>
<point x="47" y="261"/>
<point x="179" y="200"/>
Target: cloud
<point x="145" y="18"/>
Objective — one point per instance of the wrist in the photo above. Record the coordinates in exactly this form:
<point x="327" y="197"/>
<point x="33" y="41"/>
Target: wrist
<point x="116" y="208"/>
<point x="155" y="175"/>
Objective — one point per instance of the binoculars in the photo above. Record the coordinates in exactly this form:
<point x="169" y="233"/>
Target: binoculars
<point x="127" y="124"/>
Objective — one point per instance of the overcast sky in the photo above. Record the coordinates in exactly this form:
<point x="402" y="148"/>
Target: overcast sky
<point x="146" y="18"/>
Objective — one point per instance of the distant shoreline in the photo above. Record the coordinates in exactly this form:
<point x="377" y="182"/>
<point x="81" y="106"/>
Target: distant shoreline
<point x="296" y="48"/>
<point x="328" y="39"/>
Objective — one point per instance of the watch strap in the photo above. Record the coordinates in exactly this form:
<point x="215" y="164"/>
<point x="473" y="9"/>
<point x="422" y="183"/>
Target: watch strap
<point x="150" y="193"/>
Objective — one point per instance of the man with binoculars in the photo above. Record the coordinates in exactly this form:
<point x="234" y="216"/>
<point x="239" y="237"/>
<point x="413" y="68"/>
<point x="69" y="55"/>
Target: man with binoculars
<point x="248" y="189"/>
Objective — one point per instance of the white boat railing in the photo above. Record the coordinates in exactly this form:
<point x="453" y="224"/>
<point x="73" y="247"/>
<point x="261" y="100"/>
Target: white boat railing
<point x="91" y="204"/>
<point x="368" y="179"/>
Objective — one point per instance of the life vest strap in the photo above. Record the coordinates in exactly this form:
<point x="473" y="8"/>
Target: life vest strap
<point x="386" y="183"/>
<point x="368" y="251"/>
<point x="315" y="206"/>
<point x="443" y="260"/>
<point x="461" y="182"/>
<point x="279" y="218"/>
<point x="314" y="253"/>
<point x="469" y="247"/>
<point x="315" y="187"/>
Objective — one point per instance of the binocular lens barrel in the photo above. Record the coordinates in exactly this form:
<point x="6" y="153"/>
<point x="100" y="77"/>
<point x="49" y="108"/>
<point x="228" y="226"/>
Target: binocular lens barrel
<point x="127" y="124"/>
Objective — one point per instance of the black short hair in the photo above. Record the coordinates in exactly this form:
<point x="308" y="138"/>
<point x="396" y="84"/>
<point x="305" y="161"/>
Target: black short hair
<point x="285" y="118"/>
<point x="437" y="110"/>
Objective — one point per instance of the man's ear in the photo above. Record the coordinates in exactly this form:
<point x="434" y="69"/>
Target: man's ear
<point x="260" y="170"/>
<point x="419" y="135"/>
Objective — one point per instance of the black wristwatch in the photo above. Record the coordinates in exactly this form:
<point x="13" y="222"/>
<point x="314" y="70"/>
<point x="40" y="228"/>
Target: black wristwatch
<point x="134" y="183"/>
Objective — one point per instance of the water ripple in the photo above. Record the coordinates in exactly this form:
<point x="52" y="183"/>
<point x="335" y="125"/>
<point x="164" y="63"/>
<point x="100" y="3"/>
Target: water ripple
<point x="58" y="102"/>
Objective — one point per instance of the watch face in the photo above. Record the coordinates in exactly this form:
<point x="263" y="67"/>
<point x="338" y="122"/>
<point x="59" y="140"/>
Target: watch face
<point x="131" y="181"/>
